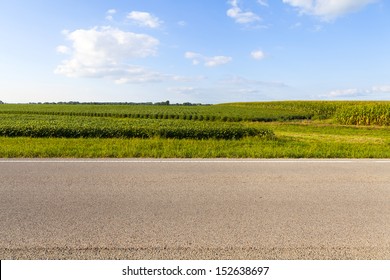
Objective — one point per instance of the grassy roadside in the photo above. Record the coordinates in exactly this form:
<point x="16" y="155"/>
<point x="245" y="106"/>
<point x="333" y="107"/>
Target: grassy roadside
<point x="293" y="140"/>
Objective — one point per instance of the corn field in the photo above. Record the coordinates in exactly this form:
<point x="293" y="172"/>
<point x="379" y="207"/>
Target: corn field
<point x="376" y="114"/>
<point x="233" y="112"/>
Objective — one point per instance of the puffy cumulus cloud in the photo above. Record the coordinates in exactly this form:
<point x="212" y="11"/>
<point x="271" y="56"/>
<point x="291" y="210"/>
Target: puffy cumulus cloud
<point x="328" y="9"/>
<point x="240" y="16"/>
<point x="102" y="45"/>
<point x="258" y="54"/>
<point x="207" y="61"/>
<point x="144" y="19"/>
<point x="103" y="52"/>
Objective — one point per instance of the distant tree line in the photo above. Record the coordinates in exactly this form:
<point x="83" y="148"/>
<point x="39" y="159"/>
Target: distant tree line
<point x="162" y="103"/>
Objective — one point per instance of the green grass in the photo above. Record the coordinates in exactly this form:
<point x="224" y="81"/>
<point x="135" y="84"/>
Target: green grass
<point x="295" y="129"/>
<point x="282" y="147"/>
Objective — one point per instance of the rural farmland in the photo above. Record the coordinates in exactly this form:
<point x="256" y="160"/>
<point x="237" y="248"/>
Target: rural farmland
<point x="295" y="129"/>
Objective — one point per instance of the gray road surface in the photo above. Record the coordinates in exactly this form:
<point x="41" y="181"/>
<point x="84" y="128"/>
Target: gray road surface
<point x="186" y="209"/>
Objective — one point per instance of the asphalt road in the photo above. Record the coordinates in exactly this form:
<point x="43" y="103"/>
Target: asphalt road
<point x="186" y="209"/>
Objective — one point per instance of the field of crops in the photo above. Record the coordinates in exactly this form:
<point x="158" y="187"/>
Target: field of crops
<point x="225" y="121"/>
<point x="365" y="114"/>
<point x="342" y="111"/>
<point x="297" y="129"/>
<point x="234" y="112"/>
<point x="34" y="125"/>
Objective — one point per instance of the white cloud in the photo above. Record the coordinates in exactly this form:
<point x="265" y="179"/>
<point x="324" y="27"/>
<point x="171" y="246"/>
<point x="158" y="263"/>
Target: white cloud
<point x="258" y="54"/>
<point x="217" y="60"/>
<point x="194" y="56"/>
<point x="301" y="4"/>
<point x="355" y="92"/>
<point x="381" y="89"/>
<point x="240" y="16"/>
<point x="144" y="19"/>
<point x="110" y="13"/>
<point x="328" y="9"/>
<point x="239" y="81"/>
<point x="207" y="61"/>
<point x="103" y="52"/>
<point x="263" y="3"/>
<point x="345" y="93"/>
<point x="63" y="49"/>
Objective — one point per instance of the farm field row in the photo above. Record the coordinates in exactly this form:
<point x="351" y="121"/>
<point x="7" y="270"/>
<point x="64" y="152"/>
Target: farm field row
<point x="303" y="143"/>
<point x="345" y="112"/>
<point x="13" y="125"/>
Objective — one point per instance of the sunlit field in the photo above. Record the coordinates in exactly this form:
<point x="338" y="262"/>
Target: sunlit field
<point x="293" y="129"/>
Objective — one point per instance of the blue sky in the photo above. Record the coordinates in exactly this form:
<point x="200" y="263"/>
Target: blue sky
<point x="194" y="51"/>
